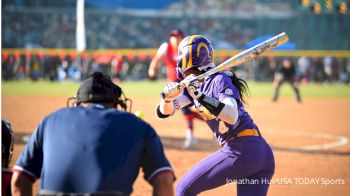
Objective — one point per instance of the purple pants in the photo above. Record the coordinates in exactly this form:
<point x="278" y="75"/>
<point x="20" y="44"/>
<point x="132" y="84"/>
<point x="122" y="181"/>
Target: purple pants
<point x="248" y="161"/>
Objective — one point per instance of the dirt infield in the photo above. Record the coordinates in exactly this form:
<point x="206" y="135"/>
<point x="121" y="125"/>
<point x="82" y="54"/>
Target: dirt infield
<point x="288" y="126"/>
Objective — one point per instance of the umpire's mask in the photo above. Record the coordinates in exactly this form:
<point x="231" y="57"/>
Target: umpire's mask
<point x="99" y="88"/>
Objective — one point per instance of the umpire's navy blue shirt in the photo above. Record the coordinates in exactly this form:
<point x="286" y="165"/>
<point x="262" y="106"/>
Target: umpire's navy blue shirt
<point x="92" y="149"/>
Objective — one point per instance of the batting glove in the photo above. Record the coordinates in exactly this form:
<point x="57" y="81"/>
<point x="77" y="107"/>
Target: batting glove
<point x="193" y="86"/>
<point x="171" y="91"/>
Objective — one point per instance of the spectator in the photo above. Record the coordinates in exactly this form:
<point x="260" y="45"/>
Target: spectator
<point x="317" y="71"/>
<point x="304" y="68"/>
<point x="328" y="68"/>
<point x="35" y="67"/>
<point x="344" y="70"/>
<point x="7" y="65"/>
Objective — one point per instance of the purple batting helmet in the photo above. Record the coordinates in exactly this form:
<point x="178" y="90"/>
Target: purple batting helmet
<point x="196" y="55"/>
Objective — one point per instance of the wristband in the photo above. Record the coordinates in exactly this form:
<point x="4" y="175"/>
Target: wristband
<point x="176" y="104"/>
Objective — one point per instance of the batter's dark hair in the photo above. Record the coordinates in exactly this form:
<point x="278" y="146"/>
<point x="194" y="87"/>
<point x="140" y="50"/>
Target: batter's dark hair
<point x="241" y="85"/>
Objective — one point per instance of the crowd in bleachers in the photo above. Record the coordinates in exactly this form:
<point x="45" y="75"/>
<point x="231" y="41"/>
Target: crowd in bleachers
<point x="75" y="68"/>
<point x="57" y="30"/>
<point x="37" y="30"/>
<point x="247" y="8"/>
<point x="115" y="30"/>
<point x="34" y="28"/>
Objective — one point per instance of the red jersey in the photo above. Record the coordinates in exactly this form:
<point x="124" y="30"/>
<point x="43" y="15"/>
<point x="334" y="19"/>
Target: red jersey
<point x="170" y="60"/>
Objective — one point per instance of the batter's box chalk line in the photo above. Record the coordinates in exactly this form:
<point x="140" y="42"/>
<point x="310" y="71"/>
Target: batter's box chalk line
<point x="210" y="145"/>
<point x="326" y="148"/>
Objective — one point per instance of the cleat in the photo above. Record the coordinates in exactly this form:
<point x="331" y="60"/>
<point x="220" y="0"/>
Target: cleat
<point x="190" y="143"/>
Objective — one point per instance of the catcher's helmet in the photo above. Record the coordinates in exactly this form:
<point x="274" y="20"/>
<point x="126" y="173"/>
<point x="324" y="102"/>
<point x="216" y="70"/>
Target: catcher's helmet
<point x="196" y="55"/>
<point x="99" y="88"/>
<point x="6" y="143"/>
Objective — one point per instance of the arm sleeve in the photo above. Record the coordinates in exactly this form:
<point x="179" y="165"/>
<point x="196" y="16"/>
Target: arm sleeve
<point x="31" y="159"/>
<point x="154" y="160"/>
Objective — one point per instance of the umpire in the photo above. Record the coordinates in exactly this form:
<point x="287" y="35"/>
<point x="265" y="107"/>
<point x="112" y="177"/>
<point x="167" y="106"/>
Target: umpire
<point x="286" y="73"/>
<point x="93" y="148"/>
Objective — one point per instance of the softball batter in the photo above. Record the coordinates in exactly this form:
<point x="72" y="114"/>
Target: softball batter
<point x="168" y="53"/>
<point x="245" y="155"/>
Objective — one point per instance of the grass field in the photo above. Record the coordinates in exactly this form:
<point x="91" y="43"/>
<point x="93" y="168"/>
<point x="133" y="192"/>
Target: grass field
<point x="145" y="88"/>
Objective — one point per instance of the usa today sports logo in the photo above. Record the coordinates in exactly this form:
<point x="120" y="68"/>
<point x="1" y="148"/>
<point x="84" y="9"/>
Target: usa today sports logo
<point x="289" y="181"/>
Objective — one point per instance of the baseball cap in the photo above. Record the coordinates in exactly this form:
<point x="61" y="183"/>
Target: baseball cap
<point x="98" y="88"/>
<point x="176" y="32"/>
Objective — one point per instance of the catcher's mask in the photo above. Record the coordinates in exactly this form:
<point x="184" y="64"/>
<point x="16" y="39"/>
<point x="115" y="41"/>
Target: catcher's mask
<point x="99" y="88"/>
<point x="6" y="143"/>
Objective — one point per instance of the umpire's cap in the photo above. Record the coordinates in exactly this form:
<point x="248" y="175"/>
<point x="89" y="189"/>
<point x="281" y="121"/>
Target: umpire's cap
<point x="99" y="88"/>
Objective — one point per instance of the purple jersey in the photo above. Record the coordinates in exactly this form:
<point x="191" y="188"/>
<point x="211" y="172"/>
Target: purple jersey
<point x="220" y="87"/>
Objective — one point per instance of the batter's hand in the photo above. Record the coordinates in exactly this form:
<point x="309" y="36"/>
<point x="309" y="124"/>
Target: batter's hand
<point x="193" y="86"/>
<point x="171" y="91"/>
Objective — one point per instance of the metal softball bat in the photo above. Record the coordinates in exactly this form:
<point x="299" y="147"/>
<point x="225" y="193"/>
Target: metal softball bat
<point x="244" y="56"/>
<point x="248" y="54"/>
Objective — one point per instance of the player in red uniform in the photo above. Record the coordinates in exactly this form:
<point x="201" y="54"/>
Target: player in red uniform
<point x="168" y="52"/>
